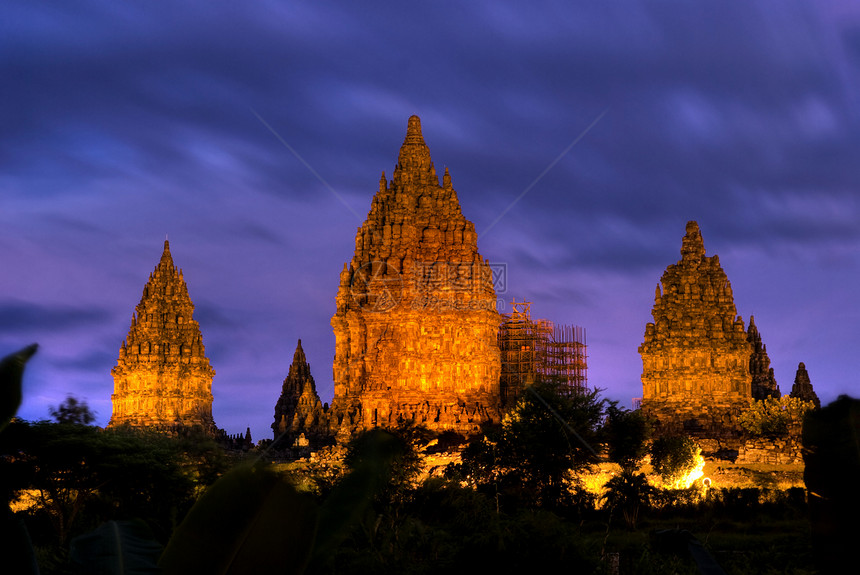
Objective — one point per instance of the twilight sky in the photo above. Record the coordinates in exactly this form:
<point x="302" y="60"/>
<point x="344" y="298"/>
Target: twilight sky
<point x="254" y="134"/>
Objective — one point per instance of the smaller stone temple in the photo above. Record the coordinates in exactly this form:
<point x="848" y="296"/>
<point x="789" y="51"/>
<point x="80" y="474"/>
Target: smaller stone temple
<point x="695" y="357"/>
<point x="162" y="378"/>
<point x="299" y="411"/>
<point x="763" y="381"/>
<point x="802" y="387"/>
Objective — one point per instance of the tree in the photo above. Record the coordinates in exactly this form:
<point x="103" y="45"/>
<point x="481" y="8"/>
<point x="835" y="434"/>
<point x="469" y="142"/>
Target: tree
<point x="547" y="437"/>
<point x="678" y="461"/>
<point x="399" y="448"/>
<point x="627" y="434"/>
<point x="73" y="411"/>
<point x="772" y="416"/>
<point x="81" y="475"/>
<point x="628" y="492"/>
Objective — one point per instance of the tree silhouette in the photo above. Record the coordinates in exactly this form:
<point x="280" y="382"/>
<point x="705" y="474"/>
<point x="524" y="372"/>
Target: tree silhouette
<point x="73" y="411"/>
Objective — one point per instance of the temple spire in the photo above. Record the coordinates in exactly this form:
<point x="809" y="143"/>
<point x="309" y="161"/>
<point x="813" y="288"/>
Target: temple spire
<point x="414" y="163"/>
<point x="299" y="355"/>
<point x="162" y="378"/>
<point x="415" y="247"/>
<point x="299" y="410"/>
<point x="692" y="247"/>
<point x="166" y="257"/>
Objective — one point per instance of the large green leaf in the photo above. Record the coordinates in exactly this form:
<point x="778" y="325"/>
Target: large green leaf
<point x="350" y="500"/>
<point x="11" y="370"/>
<point x="116" y="548"/>
<point x="250" y="521"/>
<point x="16" y="549"/>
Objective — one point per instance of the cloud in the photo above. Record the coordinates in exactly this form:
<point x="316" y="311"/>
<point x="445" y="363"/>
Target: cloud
<point x="16" y="316"/>
<point x="123" y="123"/>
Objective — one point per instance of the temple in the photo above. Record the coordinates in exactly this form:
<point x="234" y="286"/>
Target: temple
<point x="695" y="357"/>
<point x="162" y="378"/>
<point x="416" y="323"/>
<point x="802" y="387"/>
<point x="763" y="381"/>
<point x="299" y="411"/>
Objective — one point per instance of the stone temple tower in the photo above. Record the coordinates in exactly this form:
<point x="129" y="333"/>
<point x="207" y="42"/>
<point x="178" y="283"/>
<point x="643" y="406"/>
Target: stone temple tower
<point x="299" y="409"/>
<point x="416" y="323"/>
<point x="162" y="377"/>
<point x="695" y="356"/>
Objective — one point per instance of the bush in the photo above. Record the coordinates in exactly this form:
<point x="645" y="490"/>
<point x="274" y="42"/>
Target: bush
<point x="627" y="434"/>
<point x="532" y="458"/>
<point x="771" y="416"/>
<point x="678" y="461"/>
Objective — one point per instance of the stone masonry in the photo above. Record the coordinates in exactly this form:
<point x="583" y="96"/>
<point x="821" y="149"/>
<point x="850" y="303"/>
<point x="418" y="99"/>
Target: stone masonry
<point x="802" y="387"/>
<point x="763" y="381"/>
<point x="162" y="378"/>
<point x="416" y="323"/>
<point x="695" y="356"/>
<point x="299" y="409"/>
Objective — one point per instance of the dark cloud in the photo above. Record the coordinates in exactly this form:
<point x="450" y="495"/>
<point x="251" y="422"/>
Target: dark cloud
<point x="17" y="316"/>
<point x="122" y="123"/>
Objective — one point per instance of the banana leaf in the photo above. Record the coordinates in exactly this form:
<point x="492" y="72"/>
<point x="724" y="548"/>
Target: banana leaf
<point x="11" y="370"/>
<point x="249" y="521"/>
<point x="116" y="548"/>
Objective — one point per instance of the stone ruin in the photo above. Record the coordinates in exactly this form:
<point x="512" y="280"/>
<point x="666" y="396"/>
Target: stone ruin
<point x="700" y="367"/>
<point x="300" y="416"/>
<point x="162" y="378"/>
<point x="763" y="381"/>
<point x="235" y="442"/>
<point x="416" y="322"/>
<point x="695" y="357"/>
<point x="802" y="387"/>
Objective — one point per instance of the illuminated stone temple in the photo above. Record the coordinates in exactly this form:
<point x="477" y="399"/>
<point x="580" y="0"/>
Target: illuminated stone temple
<point x="695" y="357"/>
<point x="416" y="323"/>
<point x="162" y="378"/>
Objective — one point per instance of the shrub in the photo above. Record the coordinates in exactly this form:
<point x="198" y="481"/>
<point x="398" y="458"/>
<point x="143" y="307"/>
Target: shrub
<point x="771" y="416"/>
<point x="678" y="461"/>
<point x="627" y="434"/>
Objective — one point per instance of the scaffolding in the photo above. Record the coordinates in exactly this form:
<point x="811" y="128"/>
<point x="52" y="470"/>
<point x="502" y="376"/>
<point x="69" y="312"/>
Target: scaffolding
<point x="539" y="350"/>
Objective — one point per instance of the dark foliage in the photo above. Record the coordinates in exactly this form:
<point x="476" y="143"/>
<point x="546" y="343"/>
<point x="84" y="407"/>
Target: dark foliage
<point x="83" y="475"/>
<point x="73" y="411"/>
<point x="532" y="457"/>
<point x="627" y="435"/>
<point x="400" y="451"/>
<point x="628" y="493"/>
<point x="831" y="452"/>
<point x="671" y="457"/>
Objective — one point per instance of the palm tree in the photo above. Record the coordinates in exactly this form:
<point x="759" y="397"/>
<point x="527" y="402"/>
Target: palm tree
<point x="629" y="491"/>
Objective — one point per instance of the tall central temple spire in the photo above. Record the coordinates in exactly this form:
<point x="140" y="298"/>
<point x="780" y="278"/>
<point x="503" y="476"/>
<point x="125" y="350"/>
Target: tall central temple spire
<point x="414" y="159"/>
<point x="162" y="378"/>
<point x="695" y="356"/>
<point x="416" y="324"/>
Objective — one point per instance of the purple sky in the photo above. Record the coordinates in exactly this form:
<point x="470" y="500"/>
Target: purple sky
<point x="120" y="125"/>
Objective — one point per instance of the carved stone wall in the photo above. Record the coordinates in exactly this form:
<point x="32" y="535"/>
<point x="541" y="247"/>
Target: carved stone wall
<point x="416" y="323"/>
<point x="162" y="378"/>
<point x="774" y="451"/>
<point x="695" y="356"/>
